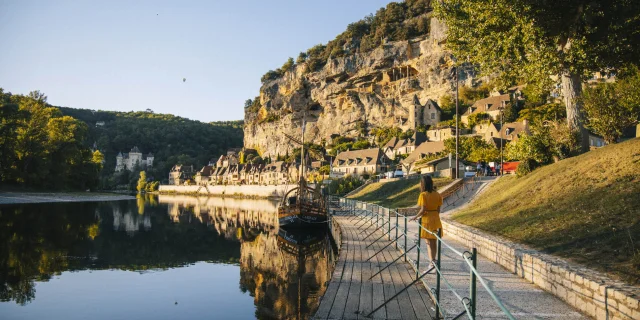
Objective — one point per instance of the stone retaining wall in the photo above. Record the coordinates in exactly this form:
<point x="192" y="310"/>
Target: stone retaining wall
<point x="257" y="191"/>
<point x="587" y="290"/>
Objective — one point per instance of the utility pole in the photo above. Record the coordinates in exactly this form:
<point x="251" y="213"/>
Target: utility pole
<point x="501" y="147"/>
<point x="457" y="125"/>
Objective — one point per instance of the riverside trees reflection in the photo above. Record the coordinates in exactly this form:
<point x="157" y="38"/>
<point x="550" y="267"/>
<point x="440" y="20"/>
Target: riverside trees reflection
<point x="40" y="241"/>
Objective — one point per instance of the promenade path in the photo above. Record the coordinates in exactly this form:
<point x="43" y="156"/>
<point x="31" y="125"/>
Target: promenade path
<point x="351" y="295"/>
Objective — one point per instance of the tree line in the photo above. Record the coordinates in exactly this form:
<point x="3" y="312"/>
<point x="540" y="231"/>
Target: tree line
<point x="49" y="147"/>
<point x="41" y="147"/>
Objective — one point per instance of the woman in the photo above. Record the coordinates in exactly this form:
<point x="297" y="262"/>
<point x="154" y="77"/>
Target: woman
<point x="429" y="202"/>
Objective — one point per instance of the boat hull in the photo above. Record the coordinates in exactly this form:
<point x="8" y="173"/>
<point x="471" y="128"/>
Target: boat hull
<point x="292" y="218"/>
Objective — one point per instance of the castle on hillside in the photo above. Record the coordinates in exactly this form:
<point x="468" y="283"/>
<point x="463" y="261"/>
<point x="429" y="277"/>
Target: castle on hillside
<point x="130" y="160"/>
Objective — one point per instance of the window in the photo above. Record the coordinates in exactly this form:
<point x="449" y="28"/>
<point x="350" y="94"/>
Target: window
<point x="433" y="115"/>
<point x="492" y="133"/>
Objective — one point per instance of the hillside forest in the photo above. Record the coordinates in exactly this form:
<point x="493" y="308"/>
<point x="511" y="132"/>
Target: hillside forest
<point x="59" y="148"/>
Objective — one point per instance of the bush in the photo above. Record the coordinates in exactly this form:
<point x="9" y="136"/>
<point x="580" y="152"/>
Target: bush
<point x="526" y="166"/>
<point x="344" y="185"/>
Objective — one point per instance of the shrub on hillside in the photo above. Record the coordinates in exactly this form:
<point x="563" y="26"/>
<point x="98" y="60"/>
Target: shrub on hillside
<point x="344" y="185"/>
<point x="526" y="166"/>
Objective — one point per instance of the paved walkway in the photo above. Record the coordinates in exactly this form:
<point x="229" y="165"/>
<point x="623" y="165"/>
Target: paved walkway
<point x="522" y="298"/>
<point x="352" y="295"/>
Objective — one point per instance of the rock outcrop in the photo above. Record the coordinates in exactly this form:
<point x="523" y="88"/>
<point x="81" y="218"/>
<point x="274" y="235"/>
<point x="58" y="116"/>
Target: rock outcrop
<point x="385" y="87"/>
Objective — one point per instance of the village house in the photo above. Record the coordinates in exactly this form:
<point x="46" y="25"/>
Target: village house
<point x="276" y="173"/>
<point x="424" y="115"/>
<point x="442" y="133"/>
<point x="596" y="141"/>
<point x="134" y="158"/>
<point x="204" y="175"/>
<point x="511" y="131"/>
<point x="397" y="146"/>
<point x="425" y="150"/>
<point x="493" y="105"/>
<point x="369" y="161"/>
<point x="441" y="167"/>
<point x="180" y="174"/>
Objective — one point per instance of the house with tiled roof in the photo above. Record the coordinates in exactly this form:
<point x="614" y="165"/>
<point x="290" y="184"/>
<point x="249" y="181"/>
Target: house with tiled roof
<point x="370" y="161"/>
<point x="203" y="176"/>
<point x="424" y="115"/>
<point x="441" y="167"/>
<point x="397" y="146"/>
<point x="441" y="133"/>
<point x="180" y="174"/>
<point x="491" y="106"/>
<point x="423" y="151"/>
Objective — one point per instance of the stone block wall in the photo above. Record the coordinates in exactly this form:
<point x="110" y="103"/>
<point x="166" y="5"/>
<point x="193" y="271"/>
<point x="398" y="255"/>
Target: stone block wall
<point x="588" y="291"/>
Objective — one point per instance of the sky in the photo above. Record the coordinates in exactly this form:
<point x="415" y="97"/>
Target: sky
<point x="133" y="55"/>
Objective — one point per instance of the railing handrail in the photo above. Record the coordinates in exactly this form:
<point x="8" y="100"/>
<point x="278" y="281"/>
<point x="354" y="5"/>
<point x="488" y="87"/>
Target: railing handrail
<point x="375" y="217"/>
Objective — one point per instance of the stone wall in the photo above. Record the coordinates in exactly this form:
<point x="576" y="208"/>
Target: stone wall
<point x="257" y="191"/>
<point x="588" y="291"/>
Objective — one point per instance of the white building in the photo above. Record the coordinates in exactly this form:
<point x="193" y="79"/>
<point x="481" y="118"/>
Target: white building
<point x="129" y="160"/>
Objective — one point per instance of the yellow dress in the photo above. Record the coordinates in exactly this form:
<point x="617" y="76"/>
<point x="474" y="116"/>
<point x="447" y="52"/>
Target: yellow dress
<point x="431" y="201"/>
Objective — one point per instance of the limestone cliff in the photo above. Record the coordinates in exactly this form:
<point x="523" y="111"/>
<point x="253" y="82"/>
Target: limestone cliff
<point x="388" y="86"/>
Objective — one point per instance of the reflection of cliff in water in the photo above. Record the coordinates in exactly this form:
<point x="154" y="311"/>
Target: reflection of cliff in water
<point x="286" y="274"/>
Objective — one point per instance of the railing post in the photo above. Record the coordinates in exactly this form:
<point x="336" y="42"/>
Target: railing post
<point x="438" y="264"/>
<point x="389" y="224"/>
<point x="397" y="227"/>
<point x="472" y="287"/>
<point x="418" y="260"/>
<point x="405" y="239"/>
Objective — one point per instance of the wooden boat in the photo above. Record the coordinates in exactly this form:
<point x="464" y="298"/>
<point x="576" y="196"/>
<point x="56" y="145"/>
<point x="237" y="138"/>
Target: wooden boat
<point x="302" y="206"/>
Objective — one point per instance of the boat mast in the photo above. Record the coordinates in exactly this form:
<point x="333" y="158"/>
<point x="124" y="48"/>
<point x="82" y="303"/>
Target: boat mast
<point x="304" y="114"/>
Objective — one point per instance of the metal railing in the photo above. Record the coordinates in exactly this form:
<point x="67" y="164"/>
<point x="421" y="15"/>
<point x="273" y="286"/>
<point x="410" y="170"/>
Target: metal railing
<point x="395" y="228"/>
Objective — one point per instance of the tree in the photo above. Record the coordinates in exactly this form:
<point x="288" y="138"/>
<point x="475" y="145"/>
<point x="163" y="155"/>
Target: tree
<point x="529" y="40"/>
<point x="287" y="65"/>
<point x="142" y="181"/>
<point x="612" y="107"/>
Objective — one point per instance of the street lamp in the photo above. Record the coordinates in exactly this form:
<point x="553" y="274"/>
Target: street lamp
<point x="501" y="147"/>
<point x="455" y="76"/>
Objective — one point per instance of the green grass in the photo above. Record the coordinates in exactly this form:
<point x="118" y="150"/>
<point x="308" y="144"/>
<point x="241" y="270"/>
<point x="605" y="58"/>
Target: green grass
<point x="585" y="208"/>
<point x="395" y="194"/>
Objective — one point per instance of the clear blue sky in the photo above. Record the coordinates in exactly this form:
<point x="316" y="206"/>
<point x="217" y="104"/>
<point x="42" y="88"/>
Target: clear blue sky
<point x="132" y="55"/>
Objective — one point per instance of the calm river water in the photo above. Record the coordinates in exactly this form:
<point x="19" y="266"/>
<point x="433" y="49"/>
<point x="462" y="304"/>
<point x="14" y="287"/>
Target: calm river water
<point x="166" y="257"/>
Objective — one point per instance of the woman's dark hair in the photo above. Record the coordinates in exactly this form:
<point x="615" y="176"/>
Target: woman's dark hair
<point x="426" y="184"/>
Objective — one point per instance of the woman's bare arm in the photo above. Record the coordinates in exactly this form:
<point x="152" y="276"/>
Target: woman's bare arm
<point x="419" y="215"/>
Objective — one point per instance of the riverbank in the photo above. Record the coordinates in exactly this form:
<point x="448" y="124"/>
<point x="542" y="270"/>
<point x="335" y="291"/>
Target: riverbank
<point x="242" y="191"/>
<point x="49" y="197"/>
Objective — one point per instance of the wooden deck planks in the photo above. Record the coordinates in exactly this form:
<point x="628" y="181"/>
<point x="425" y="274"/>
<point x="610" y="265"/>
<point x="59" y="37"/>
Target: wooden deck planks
<point x="352" y="295"/>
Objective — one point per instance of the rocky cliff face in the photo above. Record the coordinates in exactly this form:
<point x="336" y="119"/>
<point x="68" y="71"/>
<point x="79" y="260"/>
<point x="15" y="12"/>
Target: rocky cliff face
<point x="382" y="88"/>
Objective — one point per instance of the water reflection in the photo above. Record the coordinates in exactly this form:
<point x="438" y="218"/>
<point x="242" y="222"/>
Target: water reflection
<point x="41" y="241"/>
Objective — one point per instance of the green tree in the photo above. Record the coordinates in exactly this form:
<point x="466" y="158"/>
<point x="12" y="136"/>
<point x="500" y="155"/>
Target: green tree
<point x="612" y="107"/>
<point x="142" y="181"/>
<point x="529" y="40"/>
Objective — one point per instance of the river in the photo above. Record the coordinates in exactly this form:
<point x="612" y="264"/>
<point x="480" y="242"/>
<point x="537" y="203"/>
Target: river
<point x="158" y="257"/>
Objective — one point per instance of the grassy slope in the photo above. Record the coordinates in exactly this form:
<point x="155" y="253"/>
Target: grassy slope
<point x="586" y="208"/>
<point x="396" y="194"/>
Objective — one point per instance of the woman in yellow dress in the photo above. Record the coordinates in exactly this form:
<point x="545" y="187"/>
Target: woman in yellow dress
<point x="429" y="202"/>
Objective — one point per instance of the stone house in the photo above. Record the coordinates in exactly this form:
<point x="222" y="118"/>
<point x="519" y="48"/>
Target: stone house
<point x="370" y="161"/>
<point x="442" y="133"/>
<point x="491" y="106"/>
<point x="425" y="115"/>
<point x="180" y="174"/>
<point x="511" y="131"/>
<point x="275" y="173"/>
<point x="441" y="167"/>
<point x="424" y="150"/>
<point x="397" y="146"/>
<point x="204" y="176"/>
<point x="128" y="161"/>
<point x="596" y="141"/>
